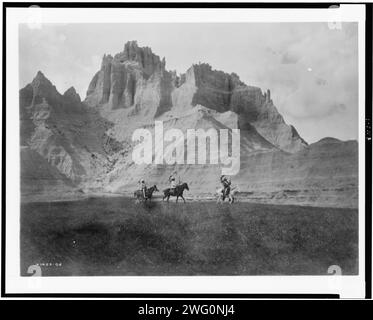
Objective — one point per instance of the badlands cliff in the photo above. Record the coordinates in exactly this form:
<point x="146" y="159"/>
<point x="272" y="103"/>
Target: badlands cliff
<point x="86" y="145"/>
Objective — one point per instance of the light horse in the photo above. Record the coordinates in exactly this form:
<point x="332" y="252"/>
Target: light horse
<point x="178" y="192"/>
<point x="222" y="195"/>
<point x="138" y="194"/>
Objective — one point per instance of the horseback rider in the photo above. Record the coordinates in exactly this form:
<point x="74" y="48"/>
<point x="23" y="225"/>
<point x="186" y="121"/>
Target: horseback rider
<point x="173" y="184"/>
<point x="142" y="186"/>
<point x="226" y="183"/>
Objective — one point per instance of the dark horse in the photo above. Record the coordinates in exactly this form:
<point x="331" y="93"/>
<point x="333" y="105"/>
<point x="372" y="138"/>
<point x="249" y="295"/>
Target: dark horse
<point x="149" y="193"/>
<point x="178" y="192"/>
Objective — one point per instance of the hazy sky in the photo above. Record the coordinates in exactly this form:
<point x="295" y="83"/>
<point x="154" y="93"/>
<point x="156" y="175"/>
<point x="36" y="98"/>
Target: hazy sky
<point x="311" y="70"/>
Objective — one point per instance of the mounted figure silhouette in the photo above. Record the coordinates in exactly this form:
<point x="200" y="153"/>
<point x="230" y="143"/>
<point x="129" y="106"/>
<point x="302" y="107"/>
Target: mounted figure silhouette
<point x="143" y="195"/>
<point x="175" y="192"/>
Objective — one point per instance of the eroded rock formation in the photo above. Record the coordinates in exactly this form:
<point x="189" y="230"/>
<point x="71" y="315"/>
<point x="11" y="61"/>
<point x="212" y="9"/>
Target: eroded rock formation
<point x="69" y="135"/>
<point x="87" y="145"/>
<point x="222" y="92"/>
<point x="136" y="78"/>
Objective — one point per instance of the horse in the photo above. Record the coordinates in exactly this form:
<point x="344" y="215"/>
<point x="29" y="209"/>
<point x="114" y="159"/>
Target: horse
<point x="178" y="192"/>
<point x="139" y="195"/>
<point x="222" y="195"/>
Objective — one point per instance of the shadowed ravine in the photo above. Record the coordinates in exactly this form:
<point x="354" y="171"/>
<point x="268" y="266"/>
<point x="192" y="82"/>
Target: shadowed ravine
<point x="113" y="236"/>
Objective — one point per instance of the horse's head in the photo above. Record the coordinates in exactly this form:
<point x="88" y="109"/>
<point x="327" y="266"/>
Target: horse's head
<point x="185" y="185"/>
<point x="155" y="188"/>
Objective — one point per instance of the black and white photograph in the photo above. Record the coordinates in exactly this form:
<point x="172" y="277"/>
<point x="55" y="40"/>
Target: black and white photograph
<point x="195" y="149"/>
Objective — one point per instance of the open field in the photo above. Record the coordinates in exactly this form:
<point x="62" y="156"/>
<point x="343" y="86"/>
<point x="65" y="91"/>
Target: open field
<point x="114" y="236"/>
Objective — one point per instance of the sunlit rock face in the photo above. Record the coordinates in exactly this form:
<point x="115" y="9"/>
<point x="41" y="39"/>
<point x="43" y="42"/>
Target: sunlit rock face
<point x="134" y="78"/>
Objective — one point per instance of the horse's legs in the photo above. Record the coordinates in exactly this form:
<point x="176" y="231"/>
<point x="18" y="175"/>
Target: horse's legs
<point x="177" y="198"/>
<point x="168" y="198"/>
<point x="231" y="199"/>
<point x="182" y="198"/>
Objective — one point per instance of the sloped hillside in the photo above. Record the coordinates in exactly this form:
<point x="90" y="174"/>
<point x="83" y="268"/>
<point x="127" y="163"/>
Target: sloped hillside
<point x="71" y="137"/>
<point x="38" y="176"/>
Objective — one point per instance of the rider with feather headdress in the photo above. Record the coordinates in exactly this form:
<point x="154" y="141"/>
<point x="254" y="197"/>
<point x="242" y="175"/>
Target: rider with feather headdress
<point x="226" y="184"/>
